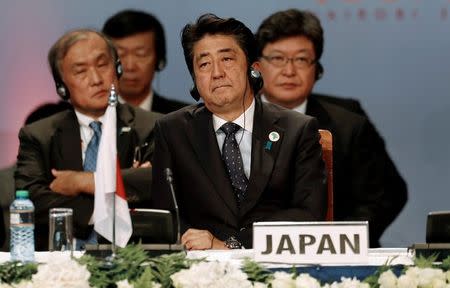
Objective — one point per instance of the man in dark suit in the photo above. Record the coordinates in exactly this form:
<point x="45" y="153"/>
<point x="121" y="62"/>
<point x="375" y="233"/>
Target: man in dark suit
<point x="53" y="152"/>
<point x="140" y="41"/>
<point x="367" y="185"/>
<point x="268" y="168"/>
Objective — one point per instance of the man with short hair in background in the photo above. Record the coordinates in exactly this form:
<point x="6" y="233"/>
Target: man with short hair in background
<point x="367" y="185"/>
<point x="141" y="44"/>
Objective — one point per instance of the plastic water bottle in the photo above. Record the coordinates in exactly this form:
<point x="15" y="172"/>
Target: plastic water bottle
<point x="22" y="228"/>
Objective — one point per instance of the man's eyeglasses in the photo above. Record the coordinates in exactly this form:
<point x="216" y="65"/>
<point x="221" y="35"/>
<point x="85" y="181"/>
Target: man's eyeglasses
<point x="281" y="61"/>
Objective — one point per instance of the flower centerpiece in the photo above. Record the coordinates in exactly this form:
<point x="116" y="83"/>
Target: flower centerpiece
<point x="132" y="267"/>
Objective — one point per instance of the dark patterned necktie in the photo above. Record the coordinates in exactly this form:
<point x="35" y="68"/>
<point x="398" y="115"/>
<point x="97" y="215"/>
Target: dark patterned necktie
<point x="231" y="155"/>
<point x="90" y="159"/>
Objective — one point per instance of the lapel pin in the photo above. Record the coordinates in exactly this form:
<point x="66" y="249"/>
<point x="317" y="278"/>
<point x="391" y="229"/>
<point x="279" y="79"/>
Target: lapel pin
<point x="274" y="136"/>
<point x="268" y="145"/>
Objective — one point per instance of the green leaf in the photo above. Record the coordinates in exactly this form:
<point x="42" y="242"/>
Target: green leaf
<point x="446" y="264"/>
<point x="14" y="271"/>
<point x="425" y="262"/>
<point x="145" y="281"/>
<point x="255" y="272"/>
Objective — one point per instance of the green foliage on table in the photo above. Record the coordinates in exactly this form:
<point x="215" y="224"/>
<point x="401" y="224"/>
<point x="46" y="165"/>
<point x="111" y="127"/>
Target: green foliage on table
<point x="425" y="262"/>
<point x="134" y="264"/>
<point x="127" y="264"/>
<point x="14" y="272"/>
<point x="166" y="265"/>
<point x="446" y="264"/>
<point x="255" y="272"/>
<point x="146" y="279"/>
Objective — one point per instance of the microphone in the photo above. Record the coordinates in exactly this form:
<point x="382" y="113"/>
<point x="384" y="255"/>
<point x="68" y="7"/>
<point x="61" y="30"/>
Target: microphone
<point x="169" y="179"/>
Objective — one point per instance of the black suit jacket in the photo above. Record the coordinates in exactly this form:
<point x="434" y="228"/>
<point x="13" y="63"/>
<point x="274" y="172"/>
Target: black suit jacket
<point x="164" y="105"/>
<point x="55" y="142"/>
<point x="367" y="185"/>
<point x="287" y="181"/>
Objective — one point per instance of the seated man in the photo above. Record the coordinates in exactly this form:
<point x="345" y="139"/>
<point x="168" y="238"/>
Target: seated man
<point x="290" y="44"/>
<point x="141" y="44"/>
<point x="57" y="155"/>
<point x="235" y="160"/>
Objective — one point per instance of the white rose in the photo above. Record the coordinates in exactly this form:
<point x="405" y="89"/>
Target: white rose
<point x="211" y="274"/>
<point x="282" y="280"/>
<point x="306" y="281"/>
<point x="387" y="280"/>
<point x="62" y="271"/>
<point x="124" y="284"/>
<point x="352" y="283"/>
<point x="428" y="275"/>
<point x="405" y="281"/>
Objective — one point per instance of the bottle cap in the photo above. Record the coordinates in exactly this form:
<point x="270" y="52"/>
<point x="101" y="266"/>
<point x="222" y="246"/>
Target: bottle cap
<point x="21" y="194"/>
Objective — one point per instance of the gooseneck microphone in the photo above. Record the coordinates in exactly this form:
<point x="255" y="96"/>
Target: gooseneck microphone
<point x="169" y="179"/>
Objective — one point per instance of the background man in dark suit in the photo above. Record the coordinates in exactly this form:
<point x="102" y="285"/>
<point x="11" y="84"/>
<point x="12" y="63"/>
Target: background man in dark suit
<point x="52" y="156"/>
<point x="7" y="184"/>
<point x="367" y="185"/>
<point x="140" y="41"/>
<point x="277" y="172"/>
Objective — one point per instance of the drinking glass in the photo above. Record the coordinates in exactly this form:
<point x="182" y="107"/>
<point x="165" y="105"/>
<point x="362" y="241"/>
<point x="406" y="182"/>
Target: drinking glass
<point x="60" y="237"/>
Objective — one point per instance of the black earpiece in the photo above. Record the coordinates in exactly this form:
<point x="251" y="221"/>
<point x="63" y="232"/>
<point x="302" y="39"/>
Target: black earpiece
<point x="255" y="79"/>
<point x="161" y="65"/>
<point x="194" y="92"/>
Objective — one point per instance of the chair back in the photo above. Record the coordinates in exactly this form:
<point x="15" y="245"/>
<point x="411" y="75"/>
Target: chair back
<point x="326" y="140"/>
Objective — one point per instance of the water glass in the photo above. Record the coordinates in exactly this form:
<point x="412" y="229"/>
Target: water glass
<point x="60" y="237"/>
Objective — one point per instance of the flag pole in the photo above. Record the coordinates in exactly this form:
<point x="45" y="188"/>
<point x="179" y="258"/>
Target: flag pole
<point x="112" y="101"/>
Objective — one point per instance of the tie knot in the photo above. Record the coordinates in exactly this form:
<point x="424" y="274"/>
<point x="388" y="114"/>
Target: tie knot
<point x="96" y="126"/>
<point x="230" y="128"/>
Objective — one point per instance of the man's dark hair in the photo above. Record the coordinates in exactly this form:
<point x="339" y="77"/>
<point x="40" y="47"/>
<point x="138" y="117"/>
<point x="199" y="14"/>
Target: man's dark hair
<point x="129" y="22"/>
<point x="288" y="23"/>
<point x="210" y="24"/>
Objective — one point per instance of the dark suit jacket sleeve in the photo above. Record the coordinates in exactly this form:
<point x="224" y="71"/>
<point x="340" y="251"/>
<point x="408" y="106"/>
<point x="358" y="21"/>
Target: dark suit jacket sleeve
<point x="138" y="181"/>
<point x="33" y="173"/>
<point x="308" y="197"/>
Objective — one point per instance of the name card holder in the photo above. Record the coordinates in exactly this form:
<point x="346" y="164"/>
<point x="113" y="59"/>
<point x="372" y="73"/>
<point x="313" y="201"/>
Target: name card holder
<point x="311" y="242"/>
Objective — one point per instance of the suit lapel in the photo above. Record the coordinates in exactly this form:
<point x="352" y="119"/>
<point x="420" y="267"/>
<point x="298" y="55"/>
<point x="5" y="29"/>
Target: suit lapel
<point x="264" y="153"/>
<point x="201" y="134"/>
<point x="68" y="144"/>
<point x="315" y="109"/>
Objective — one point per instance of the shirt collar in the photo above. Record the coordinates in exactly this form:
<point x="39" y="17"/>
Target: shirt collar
<point x="146" y="104"/>
<point x="85" y="120"/>
<point x="247" y="116"/>
<point x="300" y="108"/>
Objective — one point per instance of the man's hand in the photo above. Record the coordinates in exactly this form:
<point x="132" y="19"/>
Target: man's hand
<point x="194" y="239"/>
<point x="137" y="164"/>
<point x="72" y="183"/>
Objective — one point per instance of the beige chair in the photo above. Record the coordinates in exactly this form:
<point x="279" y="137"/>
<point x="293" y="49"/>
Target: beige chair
<point x="326" y="140"/>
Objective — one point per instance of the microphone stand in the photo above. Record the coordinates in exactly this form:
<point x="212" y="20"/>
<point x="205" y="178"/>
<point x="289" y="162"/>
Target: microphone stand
<point x="169" y="178"/>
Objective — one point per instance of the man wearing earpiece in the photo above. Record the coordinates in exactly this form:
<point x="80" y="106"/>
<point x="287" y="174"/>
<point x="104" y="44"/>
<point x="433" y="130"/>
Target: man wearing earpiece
<point x="367" y="185"/>
<point x="57" y="155"/>
<point x="235" y="160"/>
<point x="140" y="41"/>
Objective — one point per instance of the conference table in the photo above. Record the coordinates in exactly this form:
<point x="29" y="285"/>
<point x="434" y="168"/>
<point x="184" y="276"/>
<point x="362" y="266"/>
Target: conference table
<point x="397" y="258"/>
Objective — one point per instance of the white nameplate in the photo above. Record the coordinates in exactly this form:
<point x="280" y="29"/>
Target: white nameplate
<point x="311" y="242"/>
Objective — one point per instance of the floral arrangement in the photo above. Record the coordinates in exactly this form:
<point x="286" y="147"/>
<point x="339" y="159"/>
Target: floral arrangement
<point x="132" y="267"/>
